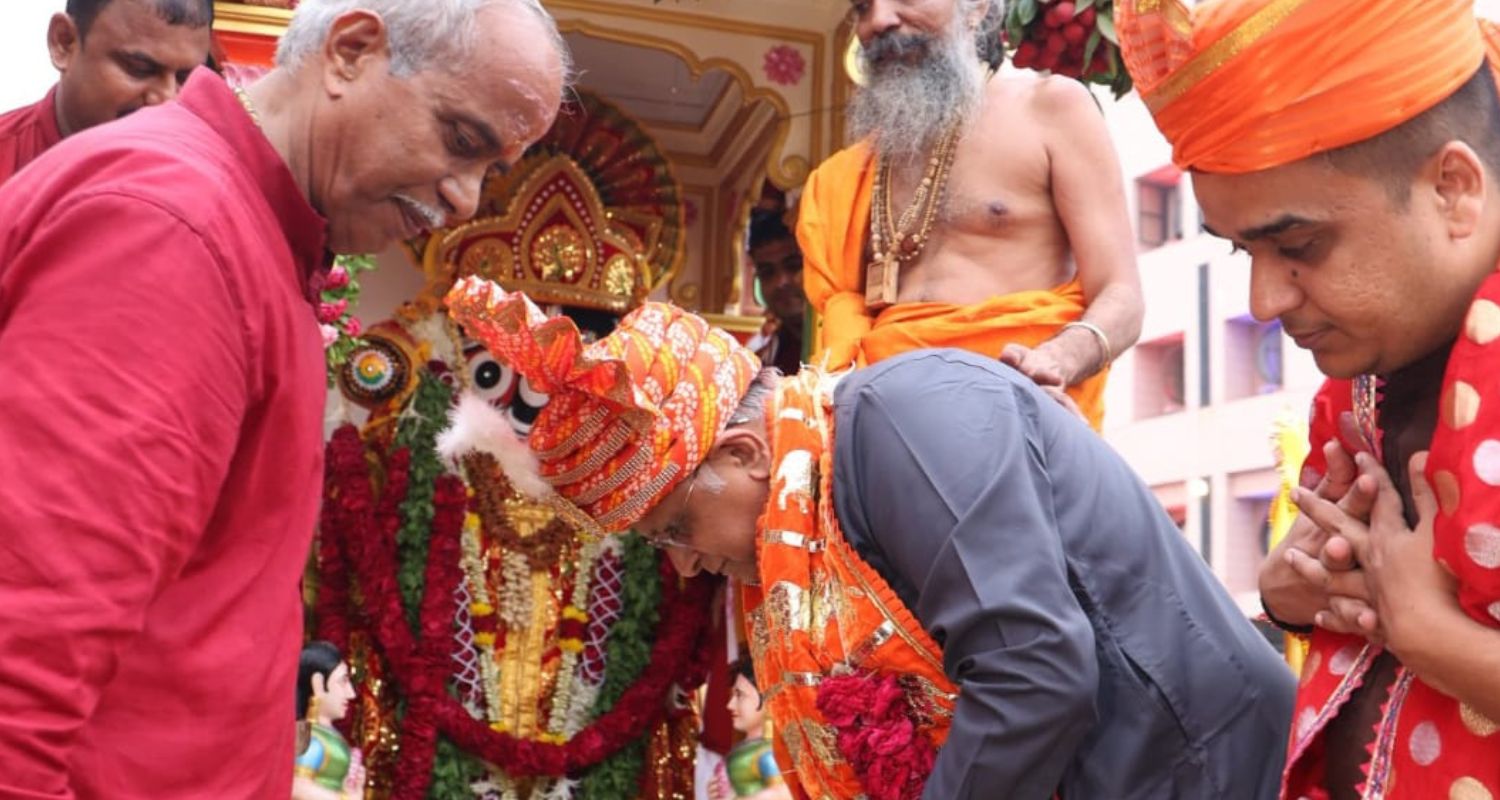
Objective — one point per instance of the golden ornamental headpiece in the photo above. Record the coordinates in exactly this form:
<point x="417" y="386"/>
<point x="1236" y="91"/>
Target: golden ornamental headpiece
<point x="590" y="217"/>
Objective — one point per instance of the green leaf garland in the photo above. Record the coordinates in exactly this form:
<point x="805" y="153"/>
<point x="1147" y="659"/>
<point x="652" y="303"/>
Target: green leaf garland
<point x="418" y="431"/>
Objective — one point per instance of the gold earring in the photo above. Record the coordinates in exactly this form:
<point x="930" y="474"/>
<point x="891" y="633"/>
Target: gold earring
<point x="312" y="709"/>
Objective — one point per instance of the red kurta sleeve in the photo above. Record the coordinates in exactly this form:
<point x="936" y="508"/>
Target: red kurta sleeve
<point x="1334" y="397"/>
<point x="123" y="370"/>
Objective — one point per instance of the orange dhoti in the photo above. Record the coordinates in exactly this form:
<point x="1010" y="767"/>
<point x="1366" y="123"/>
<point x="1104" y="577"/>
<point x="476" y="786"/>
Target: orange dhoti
<point x="832" y="229"/>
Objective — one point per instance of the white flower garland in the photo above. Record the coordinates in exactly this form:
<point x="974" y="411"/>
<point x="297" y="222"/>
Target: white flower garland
<point x="481" y="606"/>
<point x="515" y="590"/>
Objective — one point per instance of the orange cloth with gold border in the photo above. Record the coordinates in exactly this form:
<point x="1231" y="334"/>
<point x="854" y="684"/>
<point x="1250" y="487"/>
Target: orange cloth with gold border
<point x="629" y="416"/>
<point x="1246" y="85"/>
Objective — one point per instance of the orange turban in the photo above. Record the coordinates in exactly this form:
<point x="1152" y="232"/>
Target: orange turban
<point x="629" y="416"/>
<point x="1246" y="85"/>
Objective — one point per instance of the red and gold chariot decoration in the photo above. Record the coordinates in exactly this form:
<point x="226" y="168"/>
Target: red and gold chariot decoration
<point x="498" y="652"/>
<point x="591" y="217"/>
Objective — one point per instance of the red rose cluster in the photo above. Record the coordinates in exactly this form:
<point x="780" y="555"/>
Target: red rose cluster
<point x="1059" y="40"/>
<point x="878" y="733"/>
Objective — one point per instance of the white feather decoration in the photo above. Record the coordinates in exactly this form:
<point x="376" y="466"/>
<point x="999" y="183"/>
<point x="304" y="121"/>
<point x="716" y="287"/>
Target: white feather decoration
<point x="475" y="425"/>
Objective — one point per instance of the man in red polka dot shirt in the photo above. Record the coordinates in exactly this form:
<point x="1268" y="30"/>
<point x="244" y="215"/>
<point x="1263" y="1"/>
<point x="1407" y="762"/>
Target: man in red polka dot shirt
<point x="1352" y="148"/>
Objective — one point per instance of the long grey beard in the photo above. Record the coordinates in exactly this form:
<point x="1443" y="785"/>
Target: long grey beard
<point x="908" y="107"/>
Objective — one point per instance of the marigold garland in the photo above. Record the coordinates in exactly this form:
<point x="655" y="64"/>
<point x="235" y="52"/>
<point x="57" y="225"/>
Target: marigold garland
<point x="421" y="666"/>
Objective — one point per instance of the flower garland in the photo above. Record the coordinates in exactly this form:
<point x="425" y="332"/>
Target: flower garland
<point x="878" y="733"/>
<point x="346" y="505"/>
<point x="639" y="706"/>
<point x="427" y="682"/>
<point x="627" y="656"/>
<point x="492" y="491"/>
<point x="482" y="610"/>
<point x="570" y="633"/>
<point x="417" y="432"/>
<point x="420" y="666"/>
<point x="341" y="329"/>
<point x="515" y="590"/>
<point x="568" y="680"/>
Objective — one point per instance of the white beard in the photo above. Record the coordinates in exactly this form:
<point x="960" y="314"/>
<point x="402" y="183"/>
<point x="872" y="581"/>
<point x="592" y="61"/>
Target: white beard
<point x="907" y="107"/>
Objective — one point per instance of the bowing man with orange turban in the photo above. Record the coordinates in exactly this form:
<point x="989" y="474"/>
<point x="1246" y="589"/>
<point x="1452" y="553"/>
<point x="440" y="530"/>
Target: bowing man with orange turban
<point x="1352" y="147"/>
<point x="980" y="603"/>
<point x="993" y="198"/>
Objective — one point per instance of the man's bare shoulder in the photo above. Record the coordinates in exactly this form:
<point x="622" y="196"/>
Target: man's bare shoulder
<point x="1045" y="96"/>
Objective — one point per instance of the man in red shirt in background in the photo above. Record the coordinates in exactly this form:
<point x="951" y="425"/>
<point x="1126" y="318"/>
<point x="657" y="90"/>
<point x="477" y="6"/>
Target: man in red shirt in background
<point x="113" y="57"/>
<point x="162" y="380"/>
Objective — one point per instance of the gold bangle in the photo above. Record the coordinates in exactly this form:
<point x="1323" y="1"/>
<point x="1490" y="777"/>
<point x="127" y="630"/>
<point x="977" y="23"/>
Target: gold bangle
<point x="1099" y="336"/>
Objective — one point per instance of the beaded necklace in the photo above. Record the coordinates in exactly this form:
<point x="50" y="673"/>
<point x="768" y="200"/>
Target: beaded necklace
<point x="895" y="242"/>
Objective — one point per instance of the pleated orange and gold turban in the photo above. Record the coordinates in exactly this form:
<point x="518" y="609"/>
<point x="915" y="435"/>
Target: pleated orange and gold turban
<point x="629" y="416"/>
<point x="1246" y="85"/>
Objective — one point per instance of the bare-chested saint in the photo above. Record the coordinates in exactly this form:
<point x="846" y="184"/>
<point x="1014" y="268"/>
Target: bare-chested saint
<point x="977" y="210"/>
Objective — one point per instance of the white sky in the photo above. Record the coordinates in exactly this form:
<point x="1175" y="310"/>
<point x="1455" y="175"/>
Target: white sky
<point x="25" y="72"/>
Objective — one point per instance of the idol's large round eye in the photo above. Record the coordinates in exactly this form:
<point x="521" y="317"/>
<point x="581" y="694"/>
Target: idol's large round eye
<point x="374" y="373"/>
<point x="491" y="380"/>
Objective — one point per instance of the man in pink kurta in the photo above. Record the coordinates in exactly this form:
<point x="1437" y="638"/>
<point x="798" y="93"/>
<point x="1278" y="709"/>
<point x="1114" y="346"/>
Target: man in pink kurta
<point x="26" y="133"/>
<point x="160" y="371"/>
<point x="162" y="386"/>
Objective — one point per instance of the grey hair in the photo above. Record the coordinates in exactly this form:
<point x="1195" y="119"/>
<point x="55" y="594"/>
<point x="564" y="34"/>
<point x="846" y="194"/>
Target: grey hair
<point x="987" y="36"/>
<point x="757" y="396"/>
<point x="422" y="33"/>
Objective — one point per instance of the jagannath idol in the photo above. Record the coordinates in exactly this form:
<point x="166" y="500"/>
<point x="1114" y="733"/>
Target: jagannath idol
<point x="496" y="651"/>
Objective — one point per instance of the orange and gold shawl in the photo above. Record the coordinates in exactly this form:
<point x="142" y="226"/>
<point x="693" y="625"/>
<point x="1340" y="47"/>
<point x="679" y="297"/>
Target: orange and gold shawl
<point x="854" y="686"/>
<point x="832" y="229"/>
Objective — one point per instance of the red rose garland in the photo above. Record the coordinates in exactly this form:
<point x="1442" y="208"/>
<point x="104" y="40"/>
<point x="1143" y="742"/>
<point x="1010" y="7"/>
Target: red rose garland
<point x="346" y="506"/>
<point x="374" y="560"/>
<point x="427" y="684"/>
<point x="878" y="733"/>
<point x="359" y="530"/>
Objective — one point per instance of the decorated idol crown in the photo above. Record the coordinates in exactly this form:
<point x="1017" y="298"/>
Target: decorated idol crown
<point x="591" y="217"/>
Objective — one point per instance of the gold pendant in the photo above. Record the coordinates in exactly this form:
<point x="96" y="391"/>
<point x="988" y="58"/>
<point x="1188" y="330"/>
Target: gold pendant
<point x="881" y="282"/>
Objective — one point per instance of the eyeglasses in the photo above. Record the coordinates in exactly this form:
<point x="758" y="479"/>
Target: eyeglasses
<point x="673" y="536"/>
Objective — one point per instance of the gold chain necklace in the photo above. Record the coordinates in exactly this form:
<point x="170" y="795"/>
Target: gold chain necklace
<point x="898" y="241"/>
